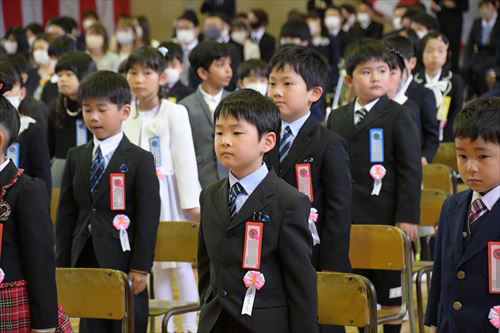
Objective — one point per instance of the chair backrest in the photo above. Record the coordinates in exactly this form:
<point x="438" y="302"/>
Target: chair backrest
<point x="96" y="293"/>
<point x="346" y="300"/>
<point x="446" y="155"/>
<point x="54" y="202"/>
<point x="177" y="241"/>
<point x="431" y="202"/>
<point x="439" y="176"/>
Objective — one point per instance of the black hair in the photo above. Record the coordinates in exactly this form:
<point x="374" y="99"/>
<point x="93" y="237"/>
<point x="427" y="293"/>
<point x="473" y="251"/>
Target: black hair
<point x="261" y="15"/>
<point x="366" y="3"/>
<point x="23" y="46"/>
<point x="62" y="22"/>
<point x="349" y="8"/>
<point x="203" y="55"/>
<point x="396" y="60"/>
<point x="146" y="29"/>
<point x="480" y="118"/>
<point x="61" y="45"/>
<point x="173" y="51"/>
<point x="412" y="36"/>
<point x="71" y="23"/>
<point x="105" y="85"/>
<point x="78" y="62"/>
<point x="421" y="46"/>
<point x="190" y="15"/>
<point x="121" y="68"/>
<point x="296" y="29"/>
<point x="10" y="74"/>
<point x="220" y="15"/>
<point x="147" y="57"/>
<point x="485" y="2"/>
<point x="20" y="63"/>
<point x="256" y="67"/>
<point x="401" y="44"/>
<point x="426" y="20"/>
<point x="90" y="13"/>
<point x="9" y="117"/>
<point x="307" y="62"/>
<point x="34" y="27"/>
<point x="363" y="50"/>
<point x="252" y="107"/>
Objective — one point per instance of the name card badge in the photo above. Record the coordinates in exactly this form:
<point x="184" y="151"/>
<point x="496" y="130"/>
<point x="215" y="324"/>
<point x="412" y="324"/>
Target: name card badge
<point x="121" y="223"/>
<point x="494" y="267"/>
<point x="377" y="145"/>
<point x="117" y="181"/>
<point x="155" y="149"/>
<point x="13" y="153"/>
<point x="304" y="179"/>
<point x="81" y="133"/>
<point x="253" y="245"/>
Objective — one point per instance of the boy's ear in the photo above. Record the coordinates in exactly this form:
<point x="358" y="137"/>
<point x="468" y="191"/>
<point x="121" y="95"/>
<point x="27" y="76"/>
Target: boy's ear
<point x="269" y="141"/>
<point x="125" y="110"/>
<point x="163" y="78"/>
<point x="23" y="93"/>
<point x="202" y="73"/>
<point x="316" y="93"/>
<point x="348" y="80"/>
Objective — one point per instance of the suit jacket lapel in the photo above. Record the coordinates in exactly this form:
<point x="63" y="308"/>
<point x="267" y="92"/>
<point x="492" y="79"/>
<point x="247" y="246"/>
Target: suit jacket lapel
<point x="457" y="219"/>
<point x="378" y="110"/>
<point x="221" y="199"/>
<point x="204" y="107"/>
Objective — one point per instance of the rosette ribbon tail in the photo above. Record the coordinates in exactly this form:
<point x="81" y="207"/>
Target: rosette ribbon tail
<point x="253" y="281"/>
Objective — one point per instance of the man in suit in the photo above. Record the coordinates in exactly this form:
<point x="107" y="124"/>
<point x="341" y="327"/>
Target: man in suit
<point x="259" y="20"/>
<point x="253" y="224"/>
<point x="211" y="62"/>
<point x="465" y="284"/>
<point x="108" y="185"/>
<point x="365" y="26"/>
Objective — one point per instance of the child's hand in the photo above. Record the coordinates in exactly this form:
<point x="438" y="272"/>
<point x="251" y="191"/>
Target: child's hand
<point x="193" y="214"/>
<point x="434" y="329"/>
<point x="424" y="161"/>
<point x="139" y="281"/>
<point x="409" y="228"/>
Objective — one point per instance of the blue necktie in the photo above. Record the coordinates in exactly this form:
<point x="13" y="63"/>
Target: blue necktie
<point x="286" y="143"/>
<point x="234" y="192"/>
<point x="96" y="171"/>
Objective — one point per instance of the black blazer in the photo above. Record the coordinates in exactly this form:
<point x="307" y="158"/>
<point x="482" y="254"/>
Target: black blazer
<point x="374" y="30"/>
<point x="267" y="46"/>
<point x="451" y="257"/>
<point x="35" y="109"/>
<point x="288" y="301"/>
<point x="332" y="191"/>
<point x="77" y="210"/>
<point x="178" y="91"/>
<point x="475" y="50"/>
<point x="28" y="245"/>
<point x="429" y="125"/>
<point x="399" y="199"/>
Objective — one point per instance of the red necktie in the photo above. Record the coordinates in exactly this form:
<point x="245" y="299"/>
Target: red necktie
<point x="477" y="209"/>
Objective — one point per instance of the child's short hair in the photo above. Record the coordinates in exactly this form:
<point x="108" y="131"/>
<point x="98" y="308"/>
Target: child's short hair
<point x="62" y="22"/>
<point x="426" y="20"/>
<point x="250" y="106"/>
<point x="20" y="64"/>
<point x="363" y="50"/>
<point x="401" y="44"/>
<point x="250" y="67"/>
<point x="190" y="15"/>
<point x="147" y="57"/>
<point x="105" y="85"/>
<point x="305" y="61"/>
<point x="480" y="118"/>
<point x="61" y="45"/>
<point x="9" y="117"/>
<point x="78" y="62"/>
<point x="172" y="51"/>
<point x="396" y="60"/>
<point x="203" y="55"/>
<point x="296" y="28"/>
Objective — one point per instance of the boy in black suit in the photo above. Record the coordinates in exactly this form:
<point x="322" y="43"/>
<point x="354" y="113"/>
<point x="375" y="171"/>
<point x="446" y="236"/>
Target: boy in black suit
<point x="465" y="285"/>
<point x="385" y="155"/>
<point x="254" y="249"/>
<point x="110" y="206"/>
<point x="174" y="90"/>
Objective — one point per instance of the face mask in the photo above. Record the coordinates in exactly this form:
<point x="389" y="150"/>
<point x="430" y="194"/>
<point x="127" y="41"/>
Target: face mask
<point x="212" y="33"/>
<point x="224" y="35"/>
<point x="87" y="23"/>
<point x="364" y="20"/>
<point x="41" y="57"/>
<point x="396" y="23"/>
<point x="314" y="29"/>
<point x="31" y="40"/>
<point x="14" y="100"/>
<point x="421" y="34"/>
<point x="124" y="37"/>
<point x="94" y="41"/>
<point x="185" y="36"/>
<point x="10" y="46"/>
<point x="259" y="87"/>
<point x="173" y="76"/>
<point x="332" y="22"/>
<point x="239" y="37"/>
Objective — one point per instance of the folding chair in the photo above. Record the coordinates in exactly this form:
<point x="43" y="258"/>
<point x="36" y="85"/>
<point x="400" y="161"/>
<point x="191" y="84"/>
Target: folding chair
<point x="54" y="202"/>
<point x="96" y="293"/>
<point x="446" y="155"/>
<point x="176" y="241"/>
<point x="385" y="248"/>
<point x="431" y="202"/>
<point x="347" y="300"/>
<point x="440" y="177"/>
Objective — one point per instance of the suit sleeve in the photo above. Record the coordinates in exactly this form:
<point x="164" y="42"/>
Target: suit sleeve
<point x="203" y="261"/>
<point x="147" y="214"/>
<point x="36" y="238"/>
<point x="67" y="214"/>
<point x="469" y="47"/>
<point x="295" y="251"/>
<point x="430" y="125"/>
<point x="51" y="131"/>
<point x="39" y="156"/>
<point x="408" y="168"/>
<point x="336" y="176"/>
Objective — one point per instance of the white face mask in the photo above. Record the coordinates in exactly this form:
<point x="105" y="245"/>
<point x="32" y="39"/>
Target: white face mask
<point x="41" y="57"/>
<point x="94" y="41"/>
<point x="239" y="37"/>
<point x="364" y="20"/>
<point x="224" y="35"/>
<point x="173" y="75"/>
<point x="14" y="100"/>
<point x="124" y="37"/>
<point x="10" y="46"/>
<point x="259" y="87"/>
<point x="332" y="22"/>
<point x="396" y="23"/>
<point x="314" y="29"/>
<point x="185" y="36"/>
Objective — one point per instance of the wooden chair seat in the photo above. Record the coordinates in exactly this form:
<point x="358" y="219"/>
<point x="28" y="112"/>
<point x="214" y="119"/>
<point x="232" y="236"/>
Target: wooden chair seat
<point x="387" y="313"/>
<point x="160" y="307"/>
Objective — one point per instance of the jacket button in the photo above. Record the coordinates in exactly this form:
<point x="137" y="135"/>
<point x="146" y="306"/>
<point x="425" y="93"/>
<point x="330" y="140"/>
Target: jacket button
<point x="457" y="305"/>
<point x="223" y="293"/>
<point x="94" y="210"/>
<point x="460" y="275"/>
<point x="464" y="234"/>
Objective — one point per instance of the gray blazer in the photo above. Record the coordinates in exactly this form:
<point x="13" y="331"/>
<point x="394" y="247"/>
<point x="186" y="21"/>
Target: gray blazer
<point x="202" y="126"/>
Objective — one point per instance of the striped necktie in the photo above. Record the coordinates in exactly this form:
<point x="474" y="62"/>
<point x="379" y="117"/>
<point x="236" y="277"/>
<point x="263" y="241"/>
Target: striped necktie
<point x="234" y="192"/>
<point x="361" y="113"/>
<point x="286" y="143"/>
<point x="477" y="209"/>
<point x="96" y="171"/>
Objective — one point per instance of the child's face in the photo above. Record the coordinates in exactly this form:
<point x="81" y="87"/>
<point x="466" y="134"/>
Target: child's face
<point x="255" y="82"/>
<point x="103" y="118"/>
<point x="144" y="82"/>
<point x="478" y="163"/>
<point x="434" y="55"/>
<point x="238" y="147"/>
<point x="396" y="77"/>
<point x="370" y="80"/>
<point x="219" y="73"/>
<point x="68" y="83"/>
<point x="289" y="92"/>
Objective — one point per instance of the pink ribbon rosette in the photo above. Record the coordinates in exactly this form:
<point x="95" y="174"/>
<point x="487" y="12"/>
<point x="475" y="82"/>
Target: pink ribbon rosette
<point x="253" y="281"/>
<point x="378" y="173"/>
<point x="160" y="174"/>
<point x="313" y="218"/>
<point x="2" y="275"/>
<point x="494" y="317"/>
<point x="121" y="223"/>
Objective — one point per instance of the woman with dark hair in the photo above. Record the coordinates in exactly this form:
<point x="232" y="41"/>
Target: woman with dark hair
<point x="15" y="41"/>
